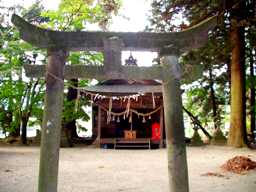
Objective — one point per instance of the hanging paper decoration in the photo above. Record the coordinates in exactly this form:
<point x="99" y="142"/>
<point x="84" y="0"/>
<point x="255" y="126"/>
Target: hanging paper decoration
<point x="112" y="115"/>
<point x="91" y="98"/>
<point x="96" y="96"/>
<point x="108" y="117"/>
<point x="154" y="102"/>
<point x="144" y="120"/>
<point x="110" y="105"/>
<point x="130" y="118"/>
<point x="128" y="106"/>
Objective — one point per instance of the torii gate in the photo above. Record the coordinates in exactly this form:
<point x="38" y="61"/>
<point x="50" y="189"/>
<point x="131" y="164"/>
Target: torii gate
<point x="169" y="45"/>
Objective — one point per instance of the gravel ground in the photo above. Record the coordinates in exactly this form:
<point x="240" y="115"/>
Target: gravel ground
<point x="105" y="170"/>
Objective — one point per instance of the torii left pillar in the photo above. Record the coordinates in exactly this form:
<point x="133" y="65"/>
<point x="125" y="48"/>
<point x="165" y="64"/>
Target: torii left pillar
<point x="51" y="130"/>
<point x="174" y="126"/>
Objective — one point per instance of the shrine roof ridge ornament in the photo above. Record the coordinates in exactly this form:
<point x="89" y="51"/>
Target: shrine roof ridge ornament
<point x="166" y="43"/>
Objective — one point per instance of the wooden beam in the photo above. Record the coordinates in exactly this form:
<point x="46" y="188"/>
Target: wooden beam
<point x="98" y="72"/>
<point x="51" y="131"/>
<point x="188" y="39"/>
<point x="174" y="127"/>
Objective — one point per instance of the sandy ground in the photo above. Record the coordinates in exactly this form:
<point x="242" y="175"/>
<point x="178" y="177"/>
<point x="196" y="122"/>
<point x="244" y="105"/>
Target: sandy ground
<point x="106" y="170"/>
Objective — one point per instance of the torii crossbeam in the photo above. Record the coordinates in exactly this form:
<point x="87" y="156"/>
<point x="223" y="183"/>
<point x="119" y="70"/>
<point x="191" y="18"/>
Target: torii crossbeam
<point x="58" y="44"/>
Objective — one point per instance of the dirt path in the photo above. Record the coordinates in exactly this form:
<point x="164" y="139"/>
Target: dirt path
<point x="100" y="170"/>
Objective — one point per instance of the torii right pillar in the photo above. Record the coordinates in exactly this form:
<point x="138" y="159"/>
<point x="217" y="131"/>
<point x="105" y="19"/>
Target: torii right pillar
<point x="174" y="126"/>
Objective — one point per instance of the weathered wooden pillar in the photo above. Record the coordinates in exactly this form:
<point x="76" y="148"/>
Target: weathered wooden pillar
<point x="174" y="126"/>
<point x="94" y="128"/>
<point x="98" y="126"/>
<point x="51" y="130"/>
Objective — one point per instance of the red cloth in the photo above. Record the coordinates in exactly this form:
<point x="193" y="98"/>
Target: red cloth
<point x="156" y="131"/>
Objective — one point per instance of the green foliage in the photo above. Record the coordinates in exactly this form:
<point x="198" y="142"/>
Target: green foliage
<point x="214" y="57"/>
<point x="21" y="96"/>
<point x="79" y="14"/>
<point x="73" y="110"/>
<point x="17" y="92"/>
<point x="85" y="58"/>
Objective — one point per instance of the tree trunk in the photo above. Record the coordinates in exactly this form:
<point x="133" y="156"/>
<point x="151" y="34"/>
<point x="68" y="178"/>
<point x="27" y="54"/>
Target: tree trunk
<point x="69" y="132"/>
<point x="71" y="96"/>
<point x="16" y="123"/>
<point x="24" y="122"/>
<point x="237" y="132"/>
<point x="7" y="121"/>
<point x="213" y="101"/>
<point x="252" y="94"/>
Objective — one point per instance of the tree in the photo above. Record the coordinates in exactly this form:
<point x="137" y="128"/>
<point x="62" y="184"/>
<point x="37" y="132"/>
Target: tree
<point x="212" y="82"/>
<point x="232" y="21"/>
<point x="250" y="40"/>
<point x="237" y="132"/>
<point x="20" y="95"/>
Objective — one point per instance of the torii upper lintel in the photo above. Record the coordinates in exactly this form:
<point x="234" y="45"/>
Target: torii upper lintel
<point x="167" y="43"/>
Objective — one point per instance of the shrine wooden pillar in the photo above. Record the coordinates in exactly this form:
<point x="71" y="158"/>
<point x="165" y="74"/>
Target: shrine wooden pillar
<point x="51" y="129"/>
<point x="98" y="126"/>
<point x="94" y="127"/>
<point x="174" y="126"/>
